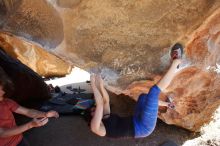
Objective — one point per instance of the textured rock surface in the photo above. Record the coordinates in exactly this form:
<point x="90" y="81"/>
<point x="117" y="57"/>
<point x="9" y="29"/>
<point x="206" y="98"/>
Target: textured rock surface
<point x="124" y="41"/>
<point x="196" y="88"/>
<point x="68" y="3"/>
<point x="33" y="56"/>
<point x="203" y="79"/>
<point x="35" y="20"/>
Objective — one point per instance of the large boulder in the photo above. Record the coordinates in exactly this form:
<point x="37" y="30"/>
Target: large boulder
<point x="35" y="20"/>
<point x="126" y="41"/>
<point x="39" y="60"/>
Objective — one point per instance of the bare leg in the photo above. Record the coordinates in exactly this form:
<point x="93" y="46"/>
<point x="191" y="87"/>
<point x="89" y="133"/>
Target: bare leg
<point x="176" y="55"/>
<point x="168" y="77"/>
<point x="105" y="95"/>
<point x="96" y="122"/>
<point x="165" y="81"/>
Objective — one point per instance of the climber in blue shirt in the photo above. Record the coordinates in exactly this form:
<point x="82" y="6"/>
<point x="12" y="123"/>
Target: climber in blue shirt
<point x="142" y="123"/>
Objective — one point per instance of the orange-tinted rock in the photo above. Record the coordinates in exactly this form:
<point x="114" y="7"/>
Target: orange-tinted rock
<point x="196" y="88"/>
<point x="36" y="58"/>
<point x="196" y="98"/>
<point x="27" y="84"/>
<point x="204" y="47"/>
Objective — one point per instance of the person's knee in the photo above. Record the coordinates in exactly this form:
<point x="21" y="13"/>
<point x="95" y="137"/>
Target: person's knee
<point x="97" y="130"/>
<point x="154" y="91"/>
<point x="142" y="95"/>
<point x="155" y="88"/>
<point x="147" y="131"/>
<point x="93" y="128"/>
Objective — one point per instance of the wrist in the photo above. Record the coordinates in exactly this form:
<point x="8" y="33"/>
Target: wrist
<point x="45" y="114"/>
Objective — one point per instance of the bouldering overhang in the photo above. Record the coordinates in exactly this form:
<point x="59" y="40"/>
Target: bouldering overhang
<point x="125" y="41"/>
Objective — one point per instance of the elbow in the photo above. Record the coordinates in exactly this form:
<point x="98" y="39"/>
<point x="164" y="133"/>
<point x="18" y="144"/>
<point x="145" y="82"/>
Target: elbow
<point x="102" y="135"/>
<point x="148" y="133"/>
<point x="94" y="129"/>
<point x="145" y="132"/>
<point x="97" y="131"/>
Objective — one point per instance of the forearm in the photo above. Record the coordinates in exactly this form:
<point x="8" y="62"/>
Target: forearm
<point x="35" y="114"/>
<point x="15" y="131"/>
<point x="163" y="103"/>
<point x="97" y="118"/>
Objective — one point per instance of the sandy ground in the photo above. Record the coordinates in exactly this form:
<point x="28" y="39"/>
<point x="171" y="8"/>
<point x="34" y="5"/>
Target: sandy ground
<point x="73" y="131"/>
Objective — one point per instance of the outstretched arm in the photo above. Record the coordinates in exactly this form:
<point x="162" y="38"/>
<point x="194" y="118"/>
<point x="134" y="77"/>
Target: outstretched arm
<point x="30" y="112"/>
<point x="35" y="113"/>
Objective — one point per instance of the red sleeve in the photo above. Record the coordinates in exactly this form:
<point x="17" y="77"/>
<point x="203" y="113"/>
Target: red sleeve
<point x="12" y="104"/>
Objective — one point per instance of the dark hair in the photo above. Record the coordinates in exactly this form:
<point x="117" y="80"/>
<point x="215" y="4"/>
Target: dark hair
<point x="87" y="114"/>
<point x="6" y="83"/>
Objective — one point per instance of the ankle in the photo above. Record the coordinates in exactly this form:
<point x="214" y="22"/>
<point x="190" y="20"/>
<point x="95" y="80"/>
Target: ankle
<point x="177" y="62"/>
<point x="99" y="102"/>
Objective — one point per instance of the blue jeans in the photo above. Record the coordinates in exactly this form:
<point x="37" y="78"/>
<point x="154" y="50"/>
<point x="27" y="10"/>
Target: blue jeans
<point x="145" y="116"/>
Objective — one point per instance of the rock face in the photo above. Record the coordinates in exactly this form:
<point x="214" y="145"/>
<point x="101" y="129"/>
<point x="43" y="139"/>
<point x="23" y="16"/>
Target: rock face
<point x="40" y="61"/>
<point x="203" y="78"/>
<point x="35" y="20"/>
<point x="125" y="41"/>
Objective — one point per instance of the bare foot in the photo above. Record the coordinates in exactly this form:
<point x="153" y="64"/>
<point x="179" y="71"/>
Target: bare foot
<point x="100" y="81"/>
<point x="97" y="94"/>
<point x="102" y="88"/>
<point x="97" y="81"/>
<point x="92" y="79"/>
